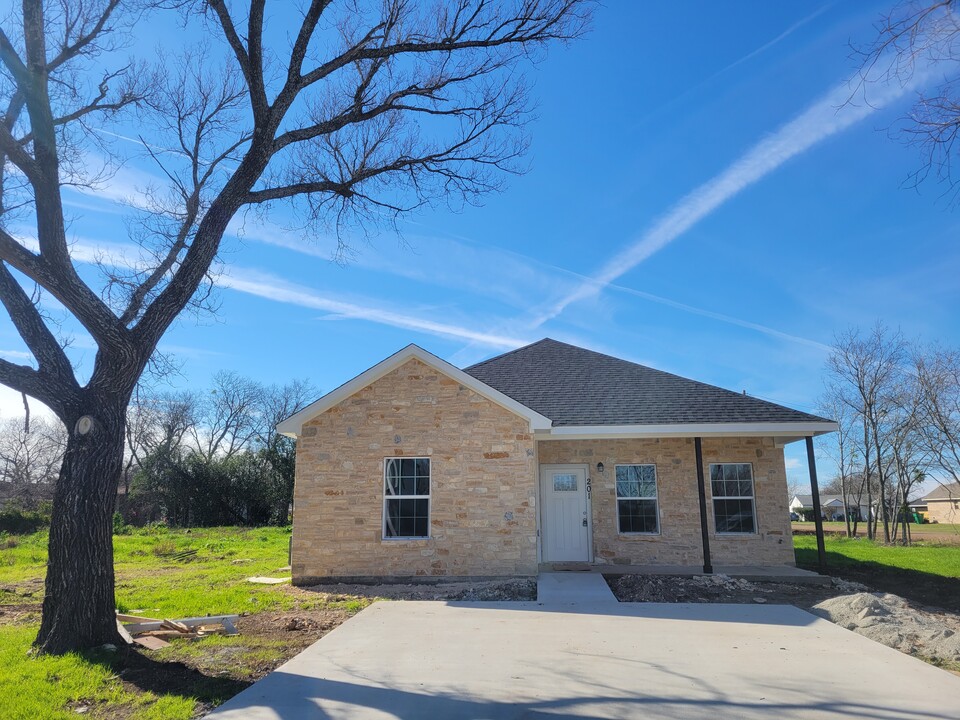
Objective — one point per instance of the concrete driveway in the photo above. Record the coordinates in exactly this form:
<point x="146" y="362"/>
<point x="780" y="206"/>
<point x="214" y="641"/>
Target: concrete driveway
<point x="481" y="661"/>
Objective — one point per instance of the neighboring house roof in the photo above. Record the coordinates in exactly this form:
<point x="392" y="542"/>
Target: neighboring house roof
<point x="574" y="386"/>
<point x="567" y="391"/>
<point x="807" y="501"/>
<point x="944" y="492"/>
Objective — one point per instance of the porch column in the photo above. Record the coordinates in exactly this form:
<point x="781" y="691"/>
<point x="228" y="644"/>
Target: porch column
<point x="817" y="519"/>
<point x="701" y="487"/>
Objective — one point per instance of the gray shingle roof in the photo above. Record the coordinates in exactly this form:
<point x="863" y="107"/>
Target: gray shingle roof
<point x="950" y="491"/>
<point x="574" y="386"/>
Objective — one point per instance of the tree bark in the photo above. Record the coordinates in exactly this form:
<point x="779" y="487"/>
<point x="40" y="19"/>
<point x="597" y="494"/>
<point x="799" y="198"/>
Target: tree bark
<point x="78" y="606"/>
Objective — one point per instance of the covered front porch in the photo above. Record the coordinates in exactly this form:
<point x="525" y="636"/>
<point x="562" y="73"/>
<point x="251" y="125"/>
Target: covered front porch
<point x="670" y="505"/>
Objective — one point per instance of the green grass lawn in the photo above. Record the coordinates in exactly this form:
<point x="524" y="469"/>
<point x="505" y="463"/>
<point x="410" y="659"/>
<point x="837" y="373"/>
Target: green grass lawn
<point x="927" y="572"/>
<point x="149" y="582"/>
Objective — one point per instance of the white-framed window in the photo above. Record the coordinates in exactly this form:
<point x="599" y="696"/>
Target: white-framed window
<point x="406" y="498"/>
<point x="731" y="485"/>
<point x="637" y="508"/>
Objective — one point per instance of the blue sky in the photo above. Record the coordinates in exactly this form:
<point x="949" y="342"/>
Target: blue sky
<point x="697" y="201"/>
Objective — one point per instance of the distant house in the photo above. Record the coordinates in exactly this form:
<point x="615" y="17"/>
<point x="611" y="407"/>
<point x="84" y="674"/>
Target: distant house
<point x="831" y="508"/>
<point x="547" y="454"/>
<point x="943" y="504"/>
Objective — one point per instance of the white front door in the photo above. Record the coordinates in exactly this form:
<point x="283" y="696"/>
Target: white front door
<point x="565" y="517"/>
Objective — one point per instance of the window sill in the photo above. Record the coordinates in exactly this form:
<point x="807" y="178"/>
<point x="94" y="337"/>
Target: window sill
<point x="638" y="535"/>
<point x="391" y="540"/>
<point x="736" y="536"/>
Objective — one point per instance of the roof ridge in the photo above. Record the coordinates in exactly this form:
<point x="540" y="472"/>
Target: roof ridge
<point x="578" y="385"/>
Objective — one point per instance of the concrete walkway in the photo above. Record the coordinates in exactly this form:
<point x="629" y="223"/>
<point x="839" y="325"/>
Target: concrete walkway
<point x="573" y="588"/>
<point x="526" y="661"/>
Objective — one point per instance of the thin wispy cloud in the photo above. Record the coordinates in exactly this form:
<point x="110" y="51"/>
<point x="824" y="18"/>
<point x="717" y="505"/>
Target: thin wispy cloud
<point x="836" y="111"/>
<point x="273" y="288"/>
<point x="729" y="319"/>
<point x="16" y="355"/>
<point x="739" y="61"/>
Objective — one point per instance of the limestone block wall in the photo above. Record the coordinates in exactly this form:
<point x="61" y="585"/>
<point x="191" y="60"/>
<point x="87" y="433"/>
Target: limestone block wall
<point x="483" y="484"/>
<point x="679" y="539"/>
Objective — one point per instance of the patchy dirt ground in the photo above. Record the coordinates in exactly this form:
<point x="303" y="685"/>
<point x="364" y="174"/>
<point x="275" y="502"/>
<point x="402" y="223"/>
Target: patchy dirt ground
<point x="722" y="589"/>
<point x="493" y="590"/>
<point x="929" y="633"/>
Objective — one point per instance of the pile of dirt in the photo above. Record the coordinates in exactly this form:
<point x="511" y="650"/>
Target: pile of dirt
<point x="488" y="590"/>
<point x="722" y="589"/>
<point x="890" y="620"/>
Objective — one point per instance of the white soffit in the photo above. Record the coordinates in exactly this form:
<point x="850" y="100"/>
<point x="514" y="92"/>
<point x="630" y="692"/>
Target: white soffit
<point x="291" y="427"/>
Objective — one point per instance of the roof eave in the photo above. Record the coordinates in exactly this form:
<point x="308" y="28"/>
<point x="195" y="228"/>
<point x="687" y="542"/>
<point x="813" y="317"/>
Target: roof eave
<point x="786" y="431"/>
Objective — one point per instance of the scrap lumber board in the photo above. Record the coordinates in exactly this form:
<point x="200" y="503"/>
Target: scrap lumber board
<point x="127" y="638"/>
<point x="267" y="580"/>
<point x="225" y="620"/>
<point x="151" y="643"/>
<point x="124" y="618"/>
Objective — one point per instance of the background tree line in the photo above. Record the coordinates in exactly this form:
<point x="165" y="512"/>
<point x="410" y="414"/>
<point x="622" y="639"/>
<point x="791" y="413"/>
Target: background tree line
<point x="193" y="457"/>
<point x="897" y="404"/>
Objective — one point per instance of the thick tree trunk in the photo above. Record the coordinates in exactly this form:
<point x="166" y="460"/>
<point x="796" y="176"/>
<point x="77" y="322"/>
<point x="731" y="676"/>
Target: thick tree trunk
<point x="79" y="606"/>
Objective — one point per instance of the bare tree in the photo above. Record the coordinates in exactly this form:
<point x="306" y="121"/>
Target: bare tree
<point x="30" y="457"/>
<point x="938" y="374"/>
<point x="870" y="366"/>
<point x="836" y="403"/>
<point x="230" y="416"/>
<point x="368" y="111"/>
<point x="921" y="36"/>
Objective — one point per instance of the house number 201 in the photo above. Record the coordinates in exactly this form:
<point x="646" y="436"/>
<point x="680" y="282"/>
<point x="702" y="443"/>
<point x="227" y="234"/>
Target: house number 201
<point x="589" y="486"/>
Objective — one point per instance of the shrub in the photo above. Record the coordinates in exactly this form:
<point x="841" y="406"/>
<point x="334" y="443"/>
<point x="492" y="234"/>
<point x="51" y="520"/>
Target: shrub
<point x="16" y="521"/>
<point x="119" y="526"/>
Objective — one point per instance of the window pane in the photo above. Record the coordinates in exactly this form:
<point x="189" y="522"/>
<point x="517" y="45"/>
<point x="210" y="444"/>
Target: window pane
<point x="392" y="520"/>
<point x="744" y="472"/>
<point x="636" y="481"/>
<point x="407" y="518"/>
<point x="408" y="486"/>
<point x="716" y="473"/>
<point x="637" y="516"/>
<point x="565" y="482"/>
<point x="422" y="467"/>
<point x="733" y="516"/>
<point x="423" y="485"/>
<point x="392" y="477"/>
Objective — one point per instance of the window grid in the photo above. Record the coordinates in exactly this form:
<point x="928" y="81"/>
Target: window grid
<point x="638" y="508"/>
<point x="732" y="490"/>
<point x="406" y="498"/>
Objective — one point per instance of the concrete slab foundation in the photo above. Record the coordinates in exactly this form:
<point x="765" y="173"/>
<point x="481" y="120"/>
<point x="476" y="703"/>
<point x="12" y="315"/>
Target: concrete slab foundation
<point x="754" y="573"/>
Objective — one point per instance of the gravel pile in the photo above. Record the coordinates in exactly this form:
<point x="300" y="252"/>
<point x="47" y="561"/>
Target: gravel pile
<point x="889" y="620"/>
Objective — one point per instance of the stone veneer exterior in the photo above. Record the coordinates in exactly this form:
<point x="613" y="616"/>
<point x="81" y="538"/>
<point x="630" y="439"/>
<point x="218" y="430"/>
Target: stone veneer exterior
<point x="483" y="507"/>
<point x="679" y="539"/>
<point x="483" y="496"/>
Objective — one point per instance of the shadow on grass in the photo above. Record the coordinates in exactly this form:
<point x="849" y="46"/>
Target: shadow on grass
<point x="141" y="672"/>
<point x="921" y="587"/>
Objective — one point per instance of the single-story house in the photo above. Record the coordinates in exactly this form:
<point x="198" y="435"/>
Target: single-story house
<point x="943" y="504"/>
<point x="831" y="508"/>
<point x="550" y="453"/>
